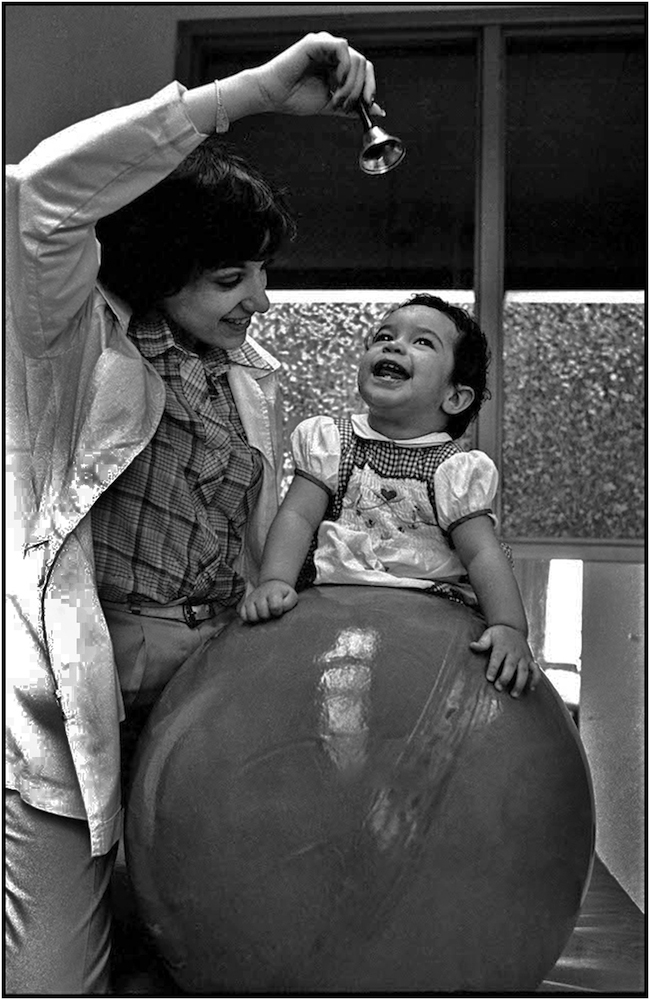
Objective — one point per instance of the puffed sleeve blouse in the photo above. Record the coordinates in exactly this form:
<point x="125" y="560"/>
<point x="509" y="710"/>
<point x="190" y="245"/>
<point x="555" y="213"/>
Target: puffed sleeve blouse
<point x="393" y="547"/>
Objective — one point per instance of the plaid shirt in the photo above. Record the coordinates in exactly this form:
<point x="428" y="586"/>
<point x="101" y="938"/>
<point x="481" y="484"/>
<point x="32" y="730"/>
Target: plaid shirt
<point x="171" y="525"/>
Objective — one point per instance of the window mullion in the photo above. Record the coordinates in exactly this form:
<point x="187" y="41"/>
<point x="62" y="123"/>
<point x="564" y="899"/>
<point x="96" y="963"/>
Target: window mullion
<point x="490" y="227"/>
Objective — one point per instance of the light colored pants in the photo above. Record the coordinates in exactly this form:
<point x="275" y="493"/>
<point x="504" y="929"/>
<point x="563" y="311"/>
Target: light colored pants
<point x="148" y="652"/>
<point x="57" y="912"/>
<point x="58" y="917"/>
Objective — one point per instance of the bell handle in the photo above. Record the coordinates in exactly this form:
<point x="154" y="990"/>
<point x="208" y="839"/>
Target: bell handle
<point x="364" y="116"/>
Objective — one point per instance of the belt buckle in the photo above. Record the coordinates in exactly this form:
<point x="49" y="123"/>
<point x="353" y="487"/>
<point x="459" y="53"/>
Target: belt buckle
<point x="190" y="618"/>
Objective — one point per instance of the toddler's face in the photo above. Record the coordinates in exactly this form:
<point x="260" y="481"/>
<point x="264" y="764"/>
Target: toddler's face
<point x="408" y="365"/>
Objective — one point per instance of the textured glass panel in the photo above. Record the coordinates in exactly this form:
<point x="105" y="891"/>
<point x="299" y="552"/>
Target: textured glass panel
<point x="319" y="345"/>
<point x="573" y="457"/>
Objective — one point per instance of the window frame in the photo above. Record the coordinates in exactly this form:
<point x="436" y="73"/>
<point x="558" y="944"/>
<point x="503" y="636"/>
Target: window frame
<point x="490" y="25"/>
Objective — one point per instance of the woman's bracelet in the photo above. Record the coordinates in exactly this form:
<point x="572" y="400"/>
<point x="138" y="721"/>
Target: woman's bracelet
<point x="221" y="120"/>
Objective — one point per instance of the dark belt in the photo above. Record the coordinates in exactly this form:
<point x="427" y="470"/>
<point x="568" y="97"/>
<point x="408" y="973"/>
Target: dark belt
<point x="191" y="614"/>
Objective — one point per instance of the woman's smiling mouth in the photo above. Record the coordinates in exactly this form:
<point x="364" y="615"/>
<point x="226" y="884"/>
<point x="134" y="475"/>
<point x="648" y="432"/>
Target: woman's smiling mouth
<point x="239" y="324"/>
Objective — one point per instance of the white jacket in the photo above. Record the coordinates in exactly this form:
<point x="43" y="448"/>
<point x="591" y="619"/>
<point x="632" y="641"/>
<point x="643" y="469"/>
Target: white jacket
<point x="81" y="404"/>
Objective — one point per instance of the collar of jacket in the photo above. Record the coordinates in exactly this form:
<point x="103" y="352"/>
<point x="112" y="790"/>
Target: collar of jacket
<point x="118" y="307"/>
<point x="58" y="512"/>
<point x="250" y="355"/>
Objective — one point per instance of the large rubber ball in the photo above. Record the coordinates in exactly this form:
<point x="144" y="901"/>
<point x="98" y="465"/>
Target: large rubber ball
<point x="337" y="801"/>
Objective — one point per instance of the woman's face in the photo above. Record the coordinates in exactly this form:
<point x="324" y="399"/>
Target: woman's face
<point x="215" y="309"/>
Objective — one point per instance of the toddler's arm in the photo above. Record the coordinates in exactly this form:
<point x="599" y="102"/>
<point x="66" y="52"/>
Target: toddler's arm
<point x="511" y="661"/>
<point x="285" y="551"/>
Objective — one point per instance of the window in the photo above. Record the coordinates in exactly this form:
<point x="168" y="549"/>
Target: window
<point x="522" y="197"/>
<point x="409" y="228"/>
<point x="575" y="163"/>
<point x="523" y="188"/>
<point x="573" y="416"/>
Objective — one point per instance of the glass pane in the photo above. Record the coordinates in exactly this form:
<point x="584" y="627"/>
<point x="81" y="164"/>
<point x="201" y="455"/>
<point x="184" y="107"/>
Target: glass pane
<point x="318" y="337"/>
<point x="413" y="226"/>
<point x="576" y="164"/>
<point x="552" y="593"/>
<point x="573" y="419"/>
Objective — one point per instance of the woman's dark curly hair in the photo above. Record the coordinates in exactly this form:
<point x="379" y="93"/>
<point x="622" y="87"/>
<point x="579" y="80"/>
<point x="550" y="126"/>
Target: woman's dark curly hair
<point x="471" y="356"/>
<point x="214" y="210"/>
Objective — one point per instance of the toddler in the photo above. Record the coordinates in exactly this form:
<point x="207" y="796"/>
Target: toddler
<point x="394" y="501"/>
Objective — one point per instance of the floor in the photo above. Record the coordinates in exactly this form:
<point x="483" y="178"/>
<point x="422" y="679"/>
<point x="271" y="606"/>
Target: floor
<point x="605" y="956"/>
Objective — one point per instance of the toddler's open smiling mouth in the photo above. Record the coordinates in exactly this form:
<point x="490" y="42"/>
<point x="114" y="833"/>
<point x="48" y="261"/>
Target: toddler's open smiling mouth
<point x="389" y="370"/>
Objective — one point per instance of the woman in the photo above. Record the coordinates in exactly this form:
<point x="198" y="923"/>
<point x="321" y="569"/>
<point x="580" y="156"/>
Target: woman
<point x="145" y="452"/>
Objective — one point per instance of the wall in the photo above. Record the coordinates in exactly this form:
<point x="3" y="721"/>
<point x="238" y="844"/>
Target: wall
<point x="612" y="715"/>
<point x="65" y="62"/>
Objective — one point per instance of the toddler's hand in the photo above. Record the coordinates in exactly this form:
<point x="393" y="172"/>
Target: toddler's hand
<point x="511" y="660"/>
<point x="270" y="600"/>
